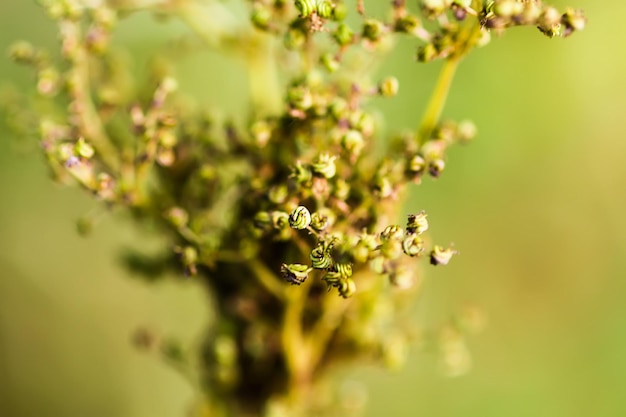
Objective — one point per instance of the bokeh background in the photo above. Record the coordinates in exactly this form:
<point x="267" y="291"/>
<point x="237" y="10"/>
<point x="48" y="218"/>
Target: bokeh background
<point x="535" y="205"/>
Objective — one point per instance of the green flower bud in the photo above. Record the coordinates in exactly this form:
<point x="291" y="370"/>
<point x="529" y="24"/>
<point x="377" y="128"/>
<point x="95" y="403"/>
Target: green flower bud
<point x="329" y="62"/>
<point x="278" y="194"/>
<point x="189" y="259"/>
<point x="441" y="256"/>
<point x="373" y="29"/>
<point x="262" y="220"/>
<point x="261" y="17"/>
<point x="83" y="149"/>
<point x="364" y="248"/>
<point x="347" y="288"/>
<point x="415" y="167"/>
<point x="436" y="167"/>
<point x="295" y="274"/>
<point x="177" y="217"/>
<point x="417" y="223"/>
<point x="48" y="82"/>
<point x="549" y="22"/>
<point x="324" y="8"/>
<point x="302" y="173"/>
<point x="391" y="249"/>
<point x="306" y="7"/>
<point x="427" y="53"/>
<point x="294" y="38"/>
<point x="573" y="20"/>
<point x="343" y="34"/>
<point x="300" y="97"/>
<point x="413" y="245"/>
<point x="433" y="8"/>
<point x="261" y="132"/>
<point x="466" y="131"/>
<point x="340" y="11"/>
<point x="23" y="52"/>
<point x="280" y="220"/>
<point x="408" y="24"/>
<point x="321" y="220"/>
<point x="341" y="190"/>
<point x="352" y="141"/>
<point x="324" y="165"/>
<point x="300" y="218"/>
<point x="393" y="232"/>
<point x="388" y="87"/>
<point x="321" y="257"/>
<point x="343" y="269"/>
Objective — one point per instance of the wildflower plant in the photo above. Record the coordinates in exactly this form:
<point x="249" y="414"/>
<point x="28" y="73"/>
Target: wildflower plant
<point x="290" y="219"/>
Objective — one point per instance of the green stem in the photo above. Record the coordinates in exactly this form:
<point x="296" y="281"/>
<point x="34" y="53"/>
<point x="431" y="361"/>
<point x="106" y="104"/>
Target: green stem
<point x="466" y="40"/>
<point x="294" y="346"/>
<point x="437" y="99"/>
<point x="221" y="30"/>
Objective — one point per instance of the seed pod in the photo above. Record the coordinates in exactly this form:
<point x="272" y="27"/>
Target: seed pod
<point x="417" y="223"/>
<point x="324" y="9"/>
<point x="320" y="257"/>
<point x="413" y="245"/>
<point x="306" y="7"/>
<point x="324" y="165"/>
<point x="295" y="274"/>
<point x="300" y="218"/>
<point x="441" y="256"/>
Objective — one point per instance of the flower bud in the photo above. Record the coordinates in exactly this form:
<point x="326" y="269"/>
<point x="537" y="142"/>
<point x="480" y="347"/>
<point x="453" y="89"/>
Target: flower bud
<point x="261" y="17"/>
<point x="324" y="165"/>
<point x="280" y="220"/>
<point x="329" y="62"/>
<point x="352" y="141"/>
<point x="324" y="8"/>
<point x="321" y="257"/>
<point x="441" y="256"/>
<point x="393" y="232"/>
<point x="177" y="217"/>
<point x="295" y="274"/>
<point x="83" y="149"/>
<point x="373" y="29"/>
<point x="306" y="7"/>
<point x="436" y="167"/>
<point x="300" y="218"/>
<point x="321" y="220"/>
<point x="343" y="34"/>
<point x="413" y="245"/>
<point x="388" y="87"/>
<point x="301" y="173"/>
<point x="347" y="288"/>
<point x="343" y="269"/>
<point x="417" y="223"/>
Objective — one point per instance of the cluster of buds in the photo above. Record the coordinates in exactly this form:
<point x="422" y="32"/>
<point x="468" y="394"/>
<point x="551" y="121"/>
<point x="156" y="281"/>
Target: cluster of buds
<point x="297" y="190"/>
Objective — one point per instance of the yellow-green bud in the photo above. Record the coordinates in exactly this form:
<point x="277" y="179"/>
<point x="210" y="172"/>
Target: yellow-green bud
<point x="413" y="245"/>
<point x="300" y="218"/>
<point x="441" y="256"/>
<point x="83" y="149"/>
<point x="295" y="274"/>
<point x="388" y="87"/>
<point x="417" y="223"/>
<point x="324" y="165"/>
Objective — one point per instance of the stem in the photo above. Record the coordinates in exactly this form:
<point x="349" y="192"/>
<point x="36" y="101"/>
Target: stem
<point x="466" y="40"/>
<point x="221" y="30"/>
<point x="89" y="122"/>
<point x="267" y="278"/>
<point x="438" y="99"/>
<point x="294" y="347"/>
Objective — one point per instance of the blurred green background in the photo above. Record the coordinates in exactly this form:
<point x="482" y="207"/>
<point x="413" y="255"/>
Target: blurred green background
<point x="535" y="205"/>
